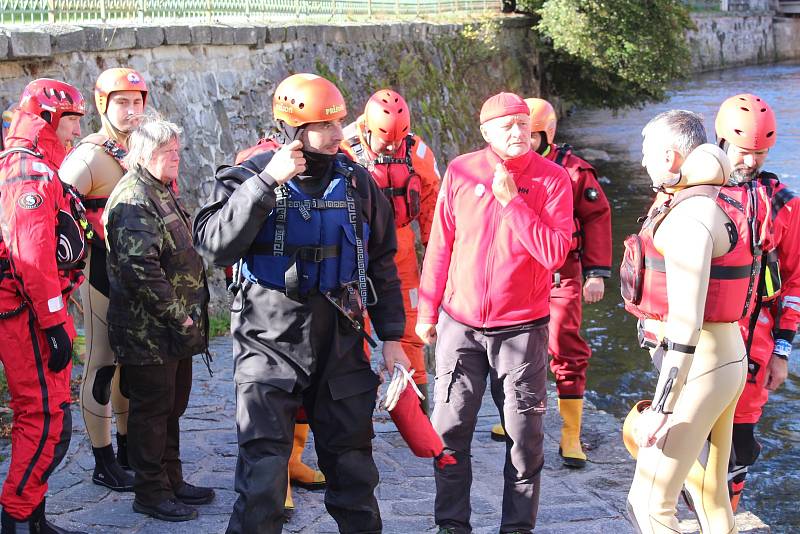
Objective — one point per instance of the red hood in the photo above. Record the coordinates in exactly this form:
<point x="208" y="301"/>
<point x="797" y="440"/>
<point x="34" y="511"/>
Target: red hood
<point x="29" y="131"/>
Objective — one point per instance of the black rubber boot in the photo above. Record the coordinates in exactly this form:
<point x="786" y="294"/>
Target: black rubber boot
<point x="122" y="451"/>
<point x="168" y="510"/>
<point x="189" y="494"/>
<point x="108" y="473"/>
<point x="35" y="524"/>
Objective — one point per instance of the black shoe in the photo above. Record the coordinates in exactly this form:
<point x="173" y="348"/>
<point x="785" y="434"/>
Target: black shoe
<point x="189" y="494"/>
<point x="122" y="451"/>
<point x="168" y="510"/>
<point x="35" y="523"/>
<point x="444" y="530"/>
<point x="108" y="473"/>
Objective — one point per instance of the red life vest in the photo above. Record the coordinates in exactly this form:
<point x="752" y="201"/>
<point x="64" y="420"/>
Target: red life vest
<point x="396" y="177"/>
<point x="264" y="145"/>
<point x="732" y="284"/>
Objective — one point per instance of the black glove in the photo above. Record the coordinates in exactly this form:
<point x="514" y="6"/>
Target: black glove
<point x="60" y="347"/>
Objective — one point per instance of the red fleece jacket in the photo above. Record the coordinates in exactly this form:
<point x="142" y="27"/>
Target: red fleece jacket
<point x="491" y="266"/>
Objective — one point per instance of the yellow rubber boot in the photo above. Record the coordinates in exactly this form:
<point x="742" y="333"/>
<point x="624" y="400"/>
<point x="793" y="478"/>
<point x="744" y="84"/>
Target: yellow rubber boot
<point x="570" y="447"/>
<point x="288" y="504"/>
<point x="498" y="432"/>
<point x="300" y="473"/>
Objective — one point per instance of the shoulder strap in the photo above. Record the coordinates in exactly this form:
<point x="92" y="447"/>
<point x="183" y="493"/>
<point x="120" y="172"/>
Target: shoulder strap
<point x="710" y="191"/>
<point x="359" y="150"/>
<point x="356" y="219"/>
<point x="21" y="149"/>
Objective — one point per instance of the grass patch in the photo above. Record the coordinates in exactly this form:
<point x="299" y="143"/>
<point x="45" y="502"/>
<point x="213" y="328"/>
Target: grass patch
<point x="219" y="325"/>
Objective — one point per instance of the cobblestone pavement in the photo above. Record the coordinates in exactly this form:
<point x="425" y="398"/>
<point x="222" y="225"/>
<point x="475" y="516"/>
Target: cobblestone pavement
<point x="589" y="501"/>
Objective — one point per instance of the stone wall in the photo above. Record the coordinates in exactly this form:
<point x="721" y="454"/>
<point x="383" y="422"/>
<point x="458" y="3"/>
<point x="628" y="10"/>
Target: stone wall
<point x="727" y="40"/>
<point x="787" y="38"/>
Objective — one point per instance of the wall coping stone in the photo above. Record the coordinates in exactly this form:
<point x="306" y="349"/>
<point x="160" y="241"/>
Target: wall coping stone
<point x="50" y="40"/>
<point x="104" y="38"/>
<point x="66" y="39"/>
<point x="201" y="35"/>
<point x="30" y="43"/>
<point x="149" y="36"/>
<point x="177" y="35"/>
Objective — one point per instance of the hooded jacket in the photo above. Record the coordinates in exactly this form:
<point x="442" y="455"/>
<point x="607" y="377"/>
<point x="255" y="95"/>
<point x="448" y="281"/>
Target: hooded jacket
<point x="31" y="197"/>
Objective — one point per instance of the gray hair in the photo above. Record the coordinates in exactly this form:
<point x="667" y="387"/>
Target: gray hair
<point x="152" y="133"/>
<point x="680" y="129"/>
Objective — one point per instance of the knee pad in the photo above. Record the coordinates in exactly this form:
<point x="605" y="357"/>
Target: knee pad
<point x="746" y="448"/>
<point x="101" y="389"/>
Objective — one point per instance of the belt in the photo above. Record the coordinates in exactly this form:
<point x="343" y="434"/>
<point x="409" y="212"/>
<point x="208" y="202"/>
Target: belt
<point x="95" y="203"/>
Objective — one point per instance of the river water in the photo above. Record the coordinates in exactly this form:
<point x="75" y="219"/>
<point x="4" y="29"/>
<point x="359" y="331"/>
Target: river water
<point x="620" y="373"/>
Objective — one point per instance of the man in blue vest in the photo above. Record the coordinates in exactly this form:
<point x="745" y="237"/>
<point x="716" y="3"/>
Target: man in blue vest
<point x="316" y="242"/>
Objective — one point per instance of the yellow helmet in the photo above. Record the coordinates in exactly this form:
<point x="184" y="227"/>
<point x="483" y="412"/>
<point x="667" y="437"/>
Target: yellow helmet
<point x="630" y="425"/>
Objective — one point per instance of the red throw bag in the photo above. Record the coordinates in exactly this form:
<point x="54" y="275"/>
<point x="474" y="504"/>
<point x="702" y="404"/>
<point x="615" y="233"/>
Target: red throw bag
<point x="417" y="431"/>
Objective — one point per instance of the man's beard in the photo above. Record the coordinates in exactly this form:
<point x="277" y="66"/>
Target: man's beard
<point x="741" y="175"/>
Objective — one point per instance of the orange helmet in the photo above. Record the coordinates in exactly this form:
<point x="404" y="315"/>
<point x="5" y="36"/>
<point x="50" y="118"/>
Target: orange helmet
<point x="51" y="99"/>
<point x="306" y="98"/>
<point x="117" y="79"/>
<point x="543" y="118"/>
<point x="386" y="115"/>
<point x="746" y="121"/>
<point x="630" y="424"/>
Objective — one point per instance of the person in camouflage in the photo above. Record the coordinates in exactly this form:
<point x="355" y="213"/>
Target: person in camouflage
<point x="157" y="316"/>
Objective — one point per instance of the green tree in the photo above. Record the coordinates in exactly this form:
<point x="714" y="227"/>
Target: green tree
<point x="612" y="53"/>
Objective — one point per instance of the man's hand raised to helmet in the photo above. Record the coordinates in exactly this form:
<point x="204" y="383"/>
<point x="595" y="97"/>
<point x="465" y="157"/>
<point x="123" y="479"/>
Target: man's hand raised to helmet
<point x="287" y="162"/>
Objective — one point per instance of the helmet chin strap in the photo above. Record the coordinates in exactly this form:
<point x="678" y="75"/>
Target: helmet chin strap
<point x="287" y="134"/>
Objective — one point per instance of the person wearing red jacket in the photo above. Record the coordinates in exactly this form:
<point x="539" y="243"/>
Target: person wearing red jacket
<point x="502" y="225"/>
<point x="40" y="260"/>
<point x="746" y="129"/>
<point x="404" y="167"/>
<point x="587" y="265"/>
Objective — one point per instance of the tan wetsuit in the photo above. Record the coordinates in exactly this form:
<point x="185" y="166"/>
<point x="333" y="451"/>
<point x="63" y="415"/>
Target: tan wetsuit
<point x="708" y="384"/>
<point x="94" y="171"/>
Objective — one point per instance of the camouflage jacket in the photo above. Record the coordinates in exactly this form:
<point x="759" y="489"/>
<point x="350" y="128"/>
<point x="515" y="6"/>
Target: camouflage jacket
<point x="156" y="277"/>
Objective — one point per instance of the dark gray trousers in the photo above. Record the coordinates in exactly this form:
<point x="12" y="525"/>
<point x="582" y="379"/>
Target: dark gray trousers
<point x="159" y="395"/>
<point x="515" y="359"/>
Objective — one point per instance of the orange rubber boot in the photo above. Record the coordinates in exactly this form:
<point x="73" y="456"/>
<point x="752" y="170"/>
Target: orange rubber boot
<point x="299" y="473"/>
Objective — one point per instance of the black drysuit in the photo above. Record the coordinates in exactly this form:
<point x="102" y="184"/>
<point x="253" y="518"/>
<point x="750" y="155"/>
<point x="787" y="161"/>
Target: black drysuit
<point x="290" y="353"/>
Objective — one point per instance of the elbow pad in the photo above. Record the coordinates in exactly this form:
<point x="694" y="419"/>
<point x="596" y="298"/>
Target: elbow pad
<point x="675" y="364"/>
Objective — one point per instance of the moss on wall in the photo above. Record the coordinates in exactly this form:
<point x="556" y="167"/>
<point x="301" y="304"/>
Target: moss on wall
<point x="445" y="79"/>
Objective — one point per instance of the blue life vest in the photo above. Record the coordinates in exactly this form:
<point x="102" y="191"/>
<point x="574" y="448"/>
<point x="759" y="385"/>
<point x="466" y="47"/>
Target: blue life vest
<point x="312" y="244"/>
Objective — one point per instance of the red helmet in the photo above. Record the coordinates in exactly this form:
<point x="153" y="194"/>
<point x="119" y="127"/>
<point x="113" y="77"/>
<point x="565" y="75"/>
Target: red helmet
<point x="51" y="100"/>
<point x="543" y="118"/>
<point x="117" y="79"/>
<point x="746" y="121"/>
<point x="306" y="98"/>
<point x="386" y="115"/>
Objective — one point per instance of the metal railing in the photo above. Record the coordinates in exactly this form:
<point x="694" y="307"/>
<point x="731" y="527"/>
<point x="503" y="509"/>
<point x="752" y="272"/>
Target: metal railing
<point x="155" y="11"/>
